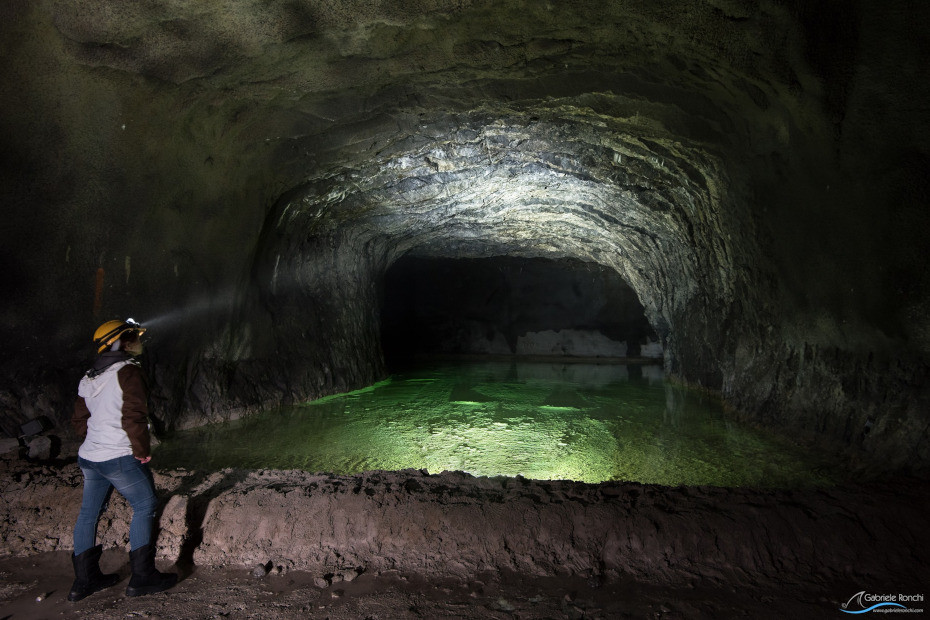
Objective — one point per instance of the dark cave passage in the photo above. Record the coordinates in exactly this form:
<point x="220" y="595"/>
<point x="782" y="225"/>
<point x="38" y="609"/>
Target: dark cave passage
<point x="505" y="306"/>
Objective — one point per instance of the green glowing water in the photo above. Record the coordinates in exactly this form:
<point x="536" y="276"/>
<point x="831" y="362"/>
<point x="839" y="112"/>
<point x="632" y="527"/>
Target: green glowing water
<point x="585" y="422"/>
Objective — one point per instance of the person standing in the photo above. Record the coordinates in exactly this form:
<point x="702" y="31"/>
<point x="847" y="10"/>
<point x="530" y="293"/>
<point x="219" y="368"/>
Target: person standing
<point x="111" y="415"/>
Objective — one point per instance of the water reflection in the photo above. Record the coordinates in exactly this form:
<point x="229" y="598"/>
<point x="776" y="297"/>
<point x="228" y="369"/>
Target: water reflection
<point x="587" y="422"/>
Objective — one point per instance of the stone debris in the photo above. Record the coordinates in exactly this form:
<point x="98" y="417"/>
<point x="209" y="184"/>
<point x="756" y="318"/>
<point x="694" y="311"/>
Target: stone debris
<point x="350" y="575"/>
<point x="40" y="448"/>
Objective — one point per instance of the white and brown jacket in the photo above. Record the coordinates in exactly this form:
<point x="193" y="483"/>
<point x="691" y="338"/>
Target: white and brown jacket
<point x="111" y="412"/>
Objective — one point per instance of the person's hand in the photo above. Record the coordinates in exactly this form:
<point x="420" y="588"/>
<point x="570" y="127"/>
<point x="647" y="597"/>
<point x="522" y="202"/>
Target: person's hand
<point x="144" y="459"/>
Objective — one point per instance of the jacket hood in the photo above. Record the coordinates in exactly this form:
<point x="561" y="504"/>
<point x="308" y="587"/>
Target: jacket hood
<point x="97" y="378"/>
<point x="107" y="358"/>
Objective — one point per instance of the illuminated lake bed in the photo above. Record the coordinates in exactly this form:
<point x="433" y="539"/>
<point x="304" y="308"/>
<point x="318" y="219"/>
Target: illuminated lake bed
<point x="547" y="421"/>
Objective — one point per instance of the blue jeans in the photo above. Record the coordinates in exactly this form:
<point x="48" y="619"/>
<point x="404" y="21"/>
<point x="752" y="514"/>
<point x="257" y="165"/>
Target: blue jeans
<point x="134" y="482"/>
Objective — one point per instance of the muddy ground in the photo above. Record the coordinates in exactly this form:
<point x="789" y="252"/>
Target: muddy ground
<point x="291" y="544"/>
<point x="235" y="593"/>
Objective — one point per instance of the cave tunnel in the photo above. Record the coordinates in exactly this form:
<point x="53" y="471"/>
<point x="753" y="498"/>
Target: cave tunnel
<point x="505" y="306"/>
<point x="297" y="198"/>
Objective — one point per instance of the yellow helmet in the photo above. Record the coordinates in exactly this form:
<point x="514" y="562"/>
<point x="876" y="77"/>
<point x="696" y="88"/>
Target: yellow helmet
<point x="109" y="332"/>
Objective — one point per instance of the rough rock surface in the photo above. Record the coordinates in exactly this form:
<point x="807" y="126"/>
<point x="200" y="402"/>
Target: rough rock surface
<point x="242" y="176"/>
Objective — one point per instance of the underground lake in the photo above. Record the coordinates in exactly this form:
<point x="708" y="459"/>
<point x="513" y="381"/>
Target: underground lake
<point x="588" y="422"/>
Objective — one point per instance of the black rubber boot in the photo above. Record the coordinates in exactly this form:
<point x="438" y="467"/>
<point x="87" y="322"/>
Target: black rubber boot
<point x="145" y="577"/>
<point x="87" y="576"/>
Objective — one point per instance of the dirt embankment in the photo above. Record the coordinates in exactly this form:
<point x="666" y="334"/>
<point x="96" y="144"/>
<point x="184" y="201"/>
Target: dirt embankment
<point x="452" y="526"/>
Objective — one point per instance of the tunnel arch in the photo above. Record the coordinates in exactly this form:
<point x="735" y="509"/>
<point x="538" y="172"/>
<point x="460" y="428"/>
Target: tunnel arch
<point x="652" y="208"/>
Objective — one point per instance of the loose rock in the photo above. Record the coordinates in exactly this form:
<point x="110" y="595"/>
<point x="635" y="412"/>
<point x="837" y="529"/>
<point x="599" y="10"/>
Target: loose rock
<point x="40" y="448"/>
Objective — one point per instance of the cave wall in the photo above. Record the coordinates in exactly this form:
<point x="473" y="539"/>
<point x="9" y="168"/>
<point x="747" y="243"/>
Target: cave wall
<point x="242" y="178"/>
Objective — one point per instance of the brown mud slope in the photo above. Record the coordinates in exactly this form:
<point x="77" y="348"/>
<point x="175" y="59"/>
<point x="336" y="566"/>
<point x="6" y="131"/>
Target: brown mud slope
<point x="457" y="528"/>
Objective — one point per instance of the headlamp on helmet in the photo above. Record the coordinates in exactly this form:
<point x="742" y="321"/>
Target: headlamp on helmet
<point x="110" y="332"/>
